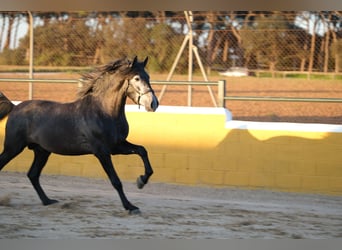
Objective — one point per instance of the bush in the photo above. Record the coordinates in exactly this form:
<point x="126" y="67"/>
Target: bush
<point x="13" y="57"/>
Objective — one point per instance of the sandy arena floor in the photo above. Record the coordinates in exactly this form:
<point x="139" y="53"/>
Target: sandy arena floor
<point x="90" y="208"/>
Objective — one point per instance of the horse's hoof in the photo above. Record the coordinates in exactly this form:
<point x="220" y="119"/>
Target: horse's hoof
<point x="134" y="211"/>
<point x="49" y="202"/>
<point x="140" y="183"/>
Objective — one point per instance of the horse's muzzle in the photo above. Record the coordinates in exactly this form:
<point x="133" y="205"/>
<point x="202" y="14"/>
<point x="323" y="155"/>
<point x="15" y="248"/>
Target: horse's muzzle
<point x="155" y="103"/>
<point x="149" y="101"/>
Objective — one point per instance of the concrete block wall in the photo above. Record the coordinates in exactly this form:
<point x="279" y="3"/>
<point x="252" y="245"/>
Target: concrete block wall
<point x="202" y="146"/>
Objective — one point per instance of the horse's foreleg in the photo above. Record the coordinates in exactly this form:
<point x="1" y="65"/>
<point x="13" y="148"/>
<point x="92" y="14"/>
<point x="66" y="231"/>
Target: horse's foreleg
<point x="40" y="158"/>
<point x="108" y="167"/>
<point x="129" y="148"/>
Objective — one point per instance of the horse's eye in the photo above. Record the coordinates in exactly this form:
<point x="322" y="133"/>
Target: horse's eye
<point x="137" y="79"/>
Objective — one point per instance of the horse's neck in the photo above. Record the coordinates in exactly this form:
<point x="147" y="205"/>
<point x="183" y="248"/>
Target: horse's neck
<point x="114" y="104"/>
<point x="110" y="94"/>
<point x="121" y="110"/>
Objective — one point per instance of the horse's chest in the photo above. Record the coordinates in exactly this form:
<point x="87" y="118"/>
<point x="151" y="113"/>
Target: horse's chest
<point x="115" y="132"/>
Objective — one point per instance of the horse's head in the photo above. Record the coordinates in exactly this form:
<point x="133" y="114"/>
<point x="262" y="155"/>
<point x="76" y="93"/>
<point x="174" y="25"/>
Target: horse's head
<point x="139" y="88"/>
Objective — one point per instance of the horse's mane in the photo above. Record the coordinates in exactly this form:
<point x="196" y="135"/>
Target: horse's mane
<point x="90" y="79"/>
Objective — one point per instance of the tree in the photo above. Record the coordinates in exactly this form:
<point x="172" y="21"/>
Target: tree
<point x="268" y="41"/>
<point x="336" y="51"/>
<point x="160" y="52"/>
<point x="334" y="25"/>
<point x="9" y="33"/>
<point x="62" y="45"/>
<point x="10" y="18"/>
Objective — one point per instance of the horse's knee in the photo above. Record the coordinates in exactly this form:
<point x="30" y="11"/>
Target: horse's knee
<point x="150" y="172"/>
<point x="142" y="151"/>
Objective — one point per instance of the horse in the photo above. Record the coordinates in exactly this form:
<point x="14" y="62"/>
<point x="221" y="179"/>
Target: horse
<point x="95" y="123"/>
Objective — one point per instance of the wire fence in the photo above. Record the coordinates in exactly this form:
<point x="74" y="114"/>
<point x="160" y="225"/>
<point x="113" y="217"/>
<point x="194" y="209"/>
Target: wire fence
<point x="272" y="42"/>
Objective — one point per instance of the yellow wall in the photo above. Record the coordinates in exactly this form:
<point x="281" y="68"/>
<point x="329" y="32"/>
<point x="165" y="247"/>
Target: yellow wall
<point x="204" y="149"/>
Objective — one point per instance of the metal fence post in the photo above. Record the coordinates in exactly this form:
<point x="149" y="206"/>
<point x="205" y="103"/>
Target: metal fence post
<point x="221" y="93"/>
<point x="31" y="56"/>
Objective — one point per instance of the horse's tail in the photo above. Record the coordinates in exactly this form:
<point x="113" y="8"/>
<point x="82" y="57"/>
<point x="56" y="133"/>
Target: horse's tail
<point x="6" y="106"/>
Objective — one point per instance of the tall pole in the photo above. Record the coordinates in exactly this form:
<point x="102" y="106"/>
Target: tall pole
<point x="31" y="56"/>
<point x="185" y="41"/>
<point x="189" y="20"/>
<point x="192" y="50"/>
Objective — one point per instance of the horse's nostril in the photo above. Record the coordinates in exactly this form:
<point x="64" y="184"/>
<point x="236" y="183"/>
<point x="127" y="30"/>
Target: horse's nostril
<point x="154" y="104"/>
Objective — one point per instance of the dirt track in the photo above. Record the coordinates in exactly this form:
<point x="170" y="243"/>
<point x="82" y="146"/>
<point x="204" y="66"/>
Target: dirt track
<point x="90" y="208"/>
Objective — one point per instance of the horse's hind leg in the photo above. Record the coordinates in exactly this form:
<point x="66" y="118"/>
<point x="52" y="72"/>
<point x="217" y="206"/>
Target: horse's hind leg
<point x="9" y="153"/>
<point x="40" y="158"/>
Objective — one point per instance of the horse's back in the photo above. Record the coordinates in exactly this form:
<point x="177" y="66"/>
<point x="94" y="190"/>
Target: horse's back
<point x="46" y="123"/>
<point x="31" y="113"/>
<point x="73" y="128"/>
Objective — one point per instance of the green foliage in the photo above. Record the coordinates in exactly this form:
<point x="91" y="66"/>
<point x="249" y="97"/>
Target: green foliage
<point x="161" y="34"/>
<point x="125" y="37"/>
<point x="71" y="41"/>
<point x="63" y="45"/>
<point x="13" y="57"/>
<point x="270" y="42"/>
<point x="336" y="51"/>
<point x="128" y="37"/>
<point x="264" y="40"/>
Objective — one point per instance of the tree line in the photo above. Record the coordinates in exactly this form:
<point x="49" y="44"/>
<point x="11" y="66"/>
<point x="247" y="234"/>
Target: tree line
<point x="273" y="40"/>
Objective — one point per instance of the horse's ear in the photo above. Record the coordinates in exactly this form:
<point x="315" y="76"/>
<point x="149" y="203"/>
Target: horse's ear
<point x="145" y="61"/>
<point x="134" y="61"/>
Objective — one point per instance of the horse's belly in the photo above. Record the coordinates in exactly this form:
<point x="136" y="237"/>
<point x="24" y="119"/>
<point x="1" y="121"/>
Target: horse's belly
<point x="66" y="142"/>
<point x="65" y="138"/>
<point x="67" y="148"/>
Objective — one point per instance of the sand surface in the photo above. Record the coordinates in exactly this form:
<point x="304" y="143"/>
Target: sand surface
<point x="90" y="208"/>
